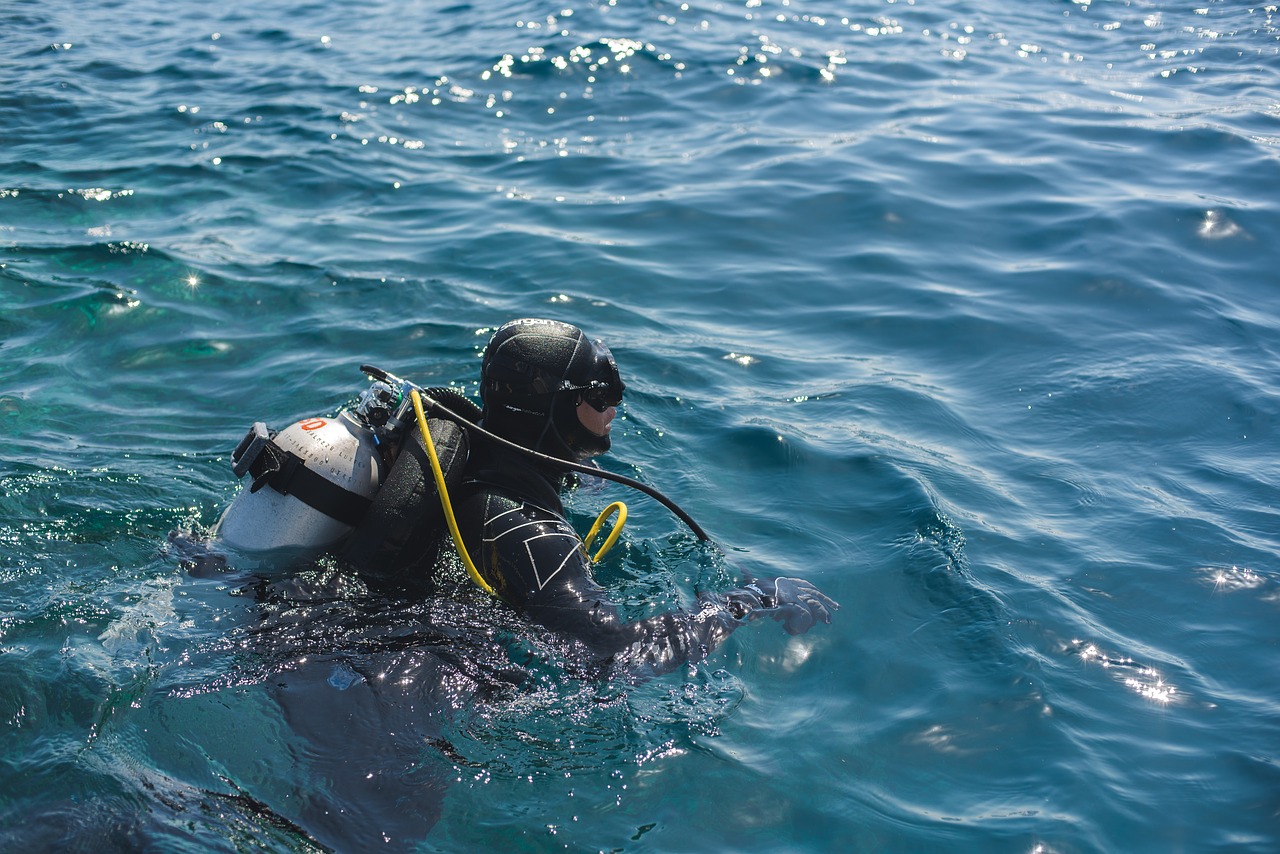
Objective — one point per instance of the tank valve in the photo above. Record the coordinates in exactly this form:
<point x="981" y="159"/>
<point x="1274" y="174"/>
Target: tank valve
<point x="377" y="403"/>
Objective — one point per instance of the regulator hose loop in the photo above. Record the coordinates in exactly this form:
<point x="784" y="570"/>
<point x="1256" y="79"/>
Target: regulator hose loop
<point x="616" y="507"/>
<point x="445" y="503"/>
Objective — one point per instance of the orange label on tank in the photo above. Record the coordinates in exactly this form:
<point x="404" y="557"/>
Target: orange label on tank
<point x="312" y="424"/>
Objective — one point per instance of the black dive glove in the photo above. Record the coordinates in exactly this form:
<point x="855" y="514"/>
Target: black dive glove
<point x="794" y="602"/>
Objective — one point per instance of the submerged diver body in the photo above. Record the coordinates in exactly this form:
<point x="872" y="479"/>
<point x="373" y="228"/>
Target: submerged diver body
<point x="547" y="387"/>
<point x="368" y="683"/>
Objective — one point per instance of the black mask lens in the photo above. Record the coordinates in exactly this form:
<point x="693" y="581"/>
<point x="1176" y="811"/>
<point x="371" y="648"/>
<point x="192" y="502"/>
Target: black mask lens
<point x="606" y="391"/>
<point x="600" y="395"/>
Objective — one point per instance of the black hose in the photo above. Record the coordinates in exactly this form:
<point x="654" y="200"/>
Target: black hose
<point x="435" y="407"/>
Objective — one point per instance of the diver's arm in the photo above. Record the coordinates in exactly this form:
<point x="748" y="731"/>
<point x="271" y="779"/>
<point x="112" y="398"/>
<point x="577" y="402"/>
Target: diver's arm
<point x="577" y="606"/>
<point x="572" y="602"/>
<point x="535" y="561"/>
<point x="659" y="644"/>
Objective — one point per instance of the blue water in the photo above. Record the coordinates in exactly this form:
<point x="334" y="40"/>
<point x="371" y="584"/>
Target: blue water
<point x="967" y="313"/>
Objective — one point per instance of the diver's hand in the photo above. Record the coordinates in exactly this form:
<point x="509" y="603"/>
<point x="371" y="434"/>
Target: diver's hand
<point x="794" y="602"/>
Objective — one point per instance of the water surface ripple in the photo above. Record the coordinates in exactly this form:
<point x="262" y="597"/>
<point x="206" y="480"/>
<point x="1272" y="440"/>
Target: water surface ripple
<point x="968" y="314"/>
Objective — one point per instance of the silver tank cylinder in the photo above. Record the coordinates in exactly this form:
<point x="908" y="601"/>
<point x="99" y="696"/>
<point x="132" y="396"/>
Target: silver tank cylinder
<point x="340" y="450"/>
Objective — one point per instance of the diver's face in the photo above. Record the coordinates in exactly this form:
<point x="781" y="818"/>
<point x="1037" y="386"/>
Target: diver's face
<point x="599" y="423"/>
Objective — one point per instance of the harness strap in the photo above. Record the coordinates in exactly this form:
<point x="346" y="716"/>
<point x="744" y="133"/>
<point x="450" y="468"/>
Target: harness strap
<point x="287" y="473"/>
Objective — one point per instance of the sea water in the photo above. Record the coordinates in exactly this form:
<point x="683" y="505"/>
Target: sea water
<point x="966" y="313"/>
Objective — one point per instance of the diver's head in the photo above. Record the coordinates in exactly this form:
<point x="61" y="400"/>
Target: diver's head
<point x="535" y="376"/>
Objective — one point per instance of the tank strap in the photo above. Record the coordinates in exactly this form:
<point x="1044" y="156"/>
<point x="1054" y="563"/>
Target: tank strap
<point x="287" y="473"/>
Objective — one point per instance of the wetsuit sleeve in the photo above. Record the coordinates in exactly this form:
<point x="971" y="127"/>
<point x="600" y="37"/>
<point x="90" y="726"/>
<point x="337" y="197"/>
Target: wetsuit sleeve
<point x="536" y="562"/>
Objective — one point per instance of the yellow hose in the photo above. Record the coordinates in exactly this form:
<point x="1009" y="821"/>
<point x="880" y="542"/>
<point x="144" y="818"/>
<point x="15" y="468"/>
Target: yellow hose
<point x="616" y="507"/>
<point x="444" y="496"/>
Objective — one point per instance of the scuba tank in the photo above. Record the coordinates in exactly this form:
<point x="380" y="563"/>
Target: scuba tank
<point x="319" y="474"/>
<point x="320" y="479"/>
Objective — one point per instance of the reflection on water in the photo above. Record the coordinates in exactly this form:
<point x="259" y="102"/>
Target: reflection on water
<point x="964" y="312"/>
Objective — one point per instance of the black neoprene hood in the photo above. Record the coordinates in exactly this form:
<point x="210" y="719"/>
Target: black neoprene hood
<point x="534" y="374"/>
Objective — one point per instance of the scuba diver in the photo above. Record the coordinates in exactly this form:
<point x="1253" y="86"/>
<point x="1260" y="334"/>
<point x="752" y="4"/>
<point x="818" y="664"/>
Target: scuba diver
<point x="361" y="486"/>
<point x="365" y="676"/>
<point x="548" y="388"/>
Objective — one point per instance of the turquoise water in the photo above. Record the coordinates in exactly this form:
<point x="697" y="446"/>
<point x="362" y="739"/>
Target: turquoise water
<point x="965" y="312"/>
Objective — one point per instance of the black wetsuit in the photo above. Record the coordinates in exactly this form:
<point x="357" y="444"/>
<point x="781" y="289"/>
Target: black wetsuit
<point x="512" y="522"/>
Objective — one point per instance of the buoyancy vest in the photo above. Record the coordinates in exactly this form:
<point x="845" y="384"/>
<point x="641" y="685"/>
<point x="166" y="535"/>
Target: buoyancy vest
<point x="401" y="529"/>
